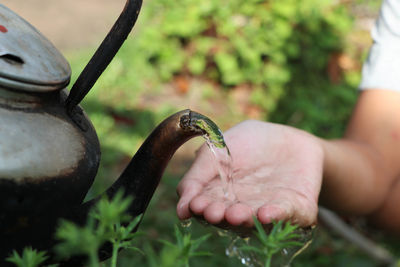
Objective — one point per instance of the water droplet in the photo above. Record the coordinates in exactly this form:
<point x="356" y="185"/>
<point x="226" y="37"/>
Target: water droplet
<point x="186" y="223"/>
<point x="223" y="233"/>
<point x="251" y="259"/>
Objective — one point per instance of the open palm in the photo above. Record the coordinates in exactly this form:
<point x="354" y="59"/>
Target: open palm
<point x="277" y="173"/>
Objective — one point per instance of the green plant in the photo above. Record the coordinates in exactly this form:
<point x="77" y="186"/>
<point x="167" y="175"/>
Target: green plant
<point x="176" y="254"/>
<point x="281" y="236"/>
<point x="107" y="222"/>
<point x="29" y="258"/>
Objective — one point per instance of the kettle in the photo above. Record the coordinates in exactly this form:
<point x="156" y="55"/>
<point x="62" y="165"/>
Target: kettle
<point x="49" y="150"/>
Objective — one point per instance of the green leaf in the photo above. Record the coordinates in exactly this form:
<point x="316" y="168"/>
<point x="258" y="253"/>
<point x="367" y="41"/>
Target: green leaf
<point x="30" y="258"/>
<point x="135" y="249"/>
<point x="260" y="230"/>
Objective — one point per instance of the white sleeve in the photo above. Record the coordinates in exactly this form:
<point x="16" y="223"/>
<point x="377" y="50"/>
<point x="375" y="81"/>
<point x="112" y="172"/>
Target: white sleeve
<point x="382" y="67"/>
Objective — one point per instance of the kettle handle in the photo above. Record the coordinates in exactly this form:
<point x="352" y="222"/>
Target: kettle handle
<point x="104" y="54"/>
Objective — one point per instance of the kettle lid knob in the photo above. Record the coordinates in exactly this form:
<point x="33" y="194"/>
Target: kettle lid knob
<point x="28" y="61"/>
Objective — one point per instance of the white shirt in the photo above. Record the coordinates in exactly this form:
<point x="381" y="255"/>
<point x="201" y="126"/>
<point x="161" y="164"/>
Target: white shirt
<point x="382" y="67"/>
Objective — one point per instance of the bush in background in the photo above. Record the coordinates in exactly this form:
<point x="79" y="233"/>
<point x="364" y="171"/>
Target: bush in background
<point x="266" y="45"/>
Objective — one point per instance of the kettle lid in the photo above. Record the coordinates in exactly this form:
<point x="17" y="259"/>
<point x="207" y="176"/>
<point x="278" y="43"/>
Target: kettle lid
<point x="28" y="61"/>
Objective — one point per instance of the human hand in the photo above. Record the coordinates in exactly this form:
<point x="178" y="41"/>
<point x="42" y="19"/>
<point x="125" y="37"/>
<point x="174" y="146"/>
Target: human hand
<point x="277" y="173"/>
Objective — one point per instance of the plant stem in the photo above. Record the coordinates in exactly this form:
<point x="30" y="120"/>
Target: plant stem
<point x="93" y="259"/>
<point x="268" y="261"/>
<point x="114" y="254"/>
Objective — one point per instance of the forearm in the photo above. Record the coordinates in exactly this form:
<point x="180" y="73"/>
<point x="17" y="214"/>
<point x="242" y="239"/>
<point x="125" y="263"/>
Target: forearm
<point x="361" y="168"/>
<point x="355" y="180"/>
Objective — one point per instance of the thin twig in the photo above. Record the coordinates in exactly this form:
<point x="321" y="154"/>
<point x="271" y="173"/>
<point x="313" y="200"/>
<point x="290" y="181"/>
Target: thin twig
<point x="334" y="222"/>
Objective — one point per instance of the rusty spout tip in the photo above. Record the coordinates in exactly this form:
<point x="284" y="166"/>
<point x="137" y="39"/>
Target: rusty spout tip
<point x="188" y="121"/>
<point x="185" y="120"/>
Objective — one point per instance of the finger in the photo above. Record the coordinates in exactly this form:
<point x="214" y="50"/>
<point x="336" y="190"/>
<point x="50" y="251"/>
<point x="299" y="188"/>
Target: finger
<point x="239" y="214"/>
<point x="187" y="191"/>
<point x="194" y="181"/>
<point x="182" y="210"/>
<point x="203" y="168"/>
<point x="199" y="204"/>
<point x="214" y="213"/>
<point x="274" y="212"/>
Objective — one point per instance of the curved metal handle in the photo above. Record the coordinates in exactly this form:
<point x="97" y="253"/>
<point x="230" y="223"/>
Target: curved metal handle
<point x="104" y="54"/>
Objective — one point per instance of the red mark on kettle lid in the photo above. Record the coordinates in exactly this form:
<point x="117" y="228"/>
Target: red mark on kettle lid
<point x="3" y="29"/>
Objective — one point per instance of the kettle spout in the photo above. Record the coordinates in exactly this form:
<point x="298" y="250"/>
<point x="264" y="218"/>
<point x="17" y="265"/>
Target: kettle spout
<point x="144" y="172"/>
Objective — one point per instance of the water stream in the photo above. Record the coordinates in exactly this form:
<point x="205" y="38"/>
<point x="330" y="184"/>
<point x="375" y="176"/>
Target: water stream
<point x="223" y="159"/>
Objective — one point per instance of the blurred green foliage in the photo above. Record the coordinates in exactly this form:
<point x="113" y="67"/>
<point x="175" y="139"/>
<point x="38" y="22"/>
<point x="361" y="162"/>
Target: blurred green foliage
<point x="263" y="44"/>
<point x="28" y="258"/>
<point x="108" y="221"/>
<point x="179" y="253"/>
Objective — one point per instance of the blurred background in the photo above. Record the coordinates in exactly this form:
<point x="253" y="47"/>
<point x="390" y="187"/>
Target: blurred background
<point x="295" y="62"/>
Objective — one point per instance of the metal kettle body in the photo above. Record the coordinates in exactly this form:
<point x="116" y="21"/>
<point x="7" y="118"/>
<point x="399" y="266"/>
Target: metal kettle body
<point x="47" y="165"/>
<point x="47" y="161"/>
